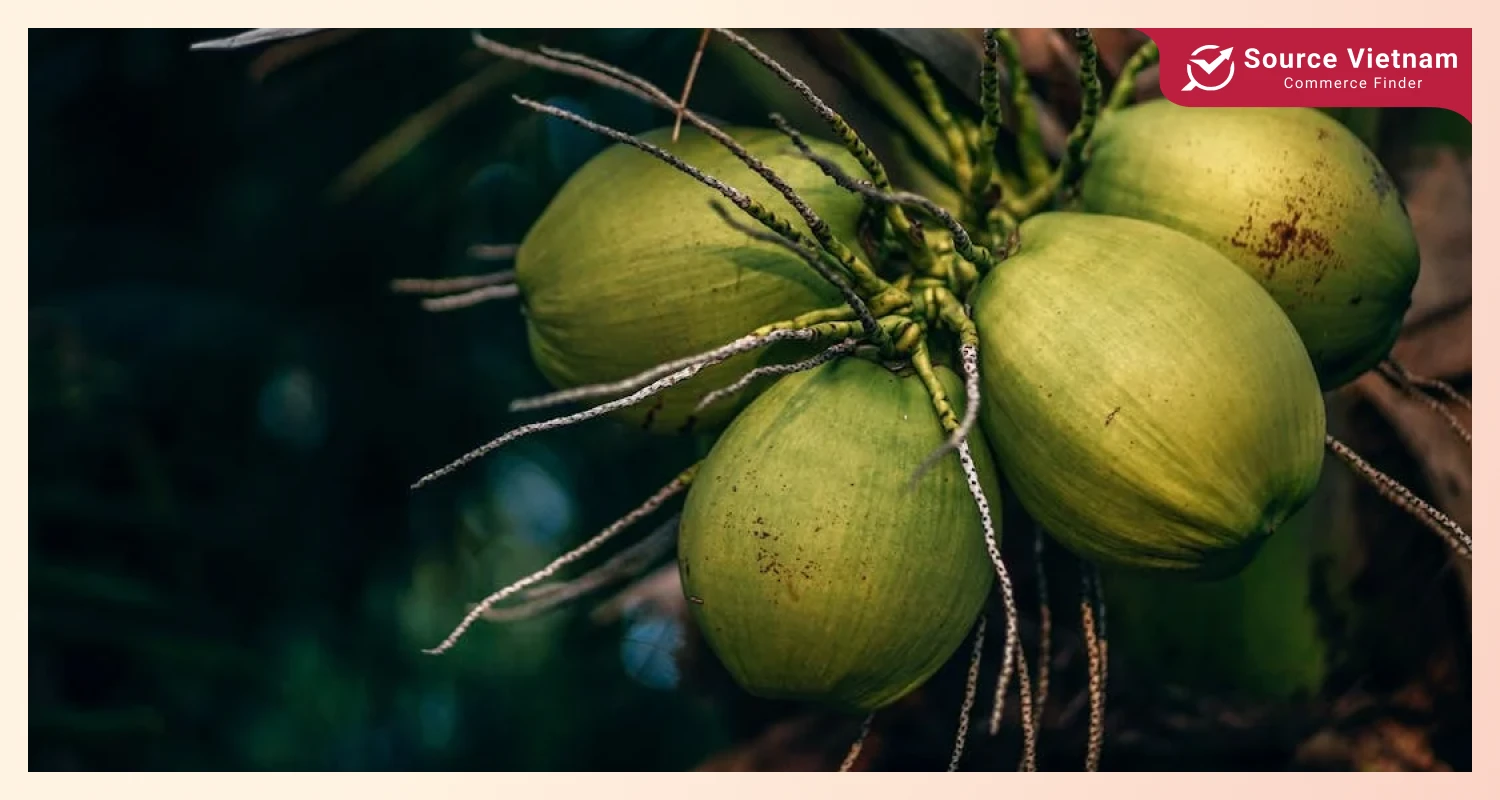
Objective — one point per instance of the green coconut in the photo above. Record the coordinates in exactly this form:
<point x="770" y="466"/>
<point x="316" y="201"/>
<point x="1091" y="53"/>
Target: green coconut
<point x="1291" y="196"/>
<point x="1149" y="403"/>
<point x="630" y="267"/>
<point x="1271" y="632"/>
<point x="813" y="571"/>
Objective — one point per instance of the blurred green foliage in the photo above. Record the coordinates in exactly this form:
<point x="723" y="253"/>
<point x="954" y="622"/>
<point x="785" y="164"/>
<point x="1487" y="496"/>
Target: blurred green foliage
<point x="227" y="569"/>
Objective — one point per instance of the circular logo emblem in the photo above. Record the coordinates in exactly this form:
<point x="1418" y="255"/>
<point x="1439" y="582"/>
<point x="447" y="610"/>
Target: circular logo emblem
<point x="1208" y="67"/>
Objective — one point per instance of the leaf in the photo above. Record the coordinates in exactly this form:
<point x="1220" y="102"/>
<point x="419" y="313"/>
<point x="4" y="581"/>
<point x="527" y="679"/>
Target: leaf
<point x="395" y="145"/>
<point x="954" y="54"/>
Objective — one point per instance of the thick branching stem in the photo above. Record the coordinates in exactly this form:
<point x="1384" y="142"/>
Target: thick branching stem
<point x="921" y="362"/>
<point x="971" y="690"/>
<point x="968" y="356"/>
<point x="742" y="345"/>
<point x="1139" y="62"/>
<point x="1400" y="496"/>
<point x="1012" y="615"/>
<point x="1091" y="598"/>
<point x="859" y="743"/>
<point x="675" y="487"/>
<point x="1407" y="383"/>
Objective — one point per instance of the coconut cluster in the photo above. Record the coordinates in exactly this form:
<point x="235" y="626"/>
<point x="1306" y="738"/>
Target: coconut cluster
<point x="1133" y="339"/>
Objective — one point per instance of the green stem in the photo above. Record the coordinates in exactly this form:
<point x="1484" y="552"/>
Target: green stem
<point x="1028" y="130"/>
<point x="1124" y="90"/>
<point x="937" y="110"/>
<point x="921" y="361"/>
<point x="889" y="95"/>
<point x="924" y="182"/>
<point x="1076" y="157"/>
<point x="991" y="121"/>
<point x="953" y="316"/>
<point x="835" y="121"/>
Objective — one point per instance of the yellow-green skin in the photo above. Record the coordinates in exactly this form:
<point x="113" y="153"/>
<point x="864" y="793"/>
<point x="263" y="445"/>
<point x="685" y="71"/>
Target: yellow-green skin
<point x="1291" y="196"/>
<point x="1148" y="402"/>
<point x="813" y="571"/>
<point x="630" y="267"/>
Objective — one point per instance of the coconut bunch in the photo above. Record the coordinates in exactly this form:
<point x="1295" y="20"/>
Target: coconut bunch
<point x="1131" y="341"/>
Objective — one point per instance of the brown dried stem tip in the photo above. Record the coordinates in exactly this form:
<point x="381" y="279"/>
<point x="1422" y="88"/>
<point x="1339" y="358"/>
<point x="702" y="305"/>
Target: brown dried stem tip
<point x="687" y="85"/>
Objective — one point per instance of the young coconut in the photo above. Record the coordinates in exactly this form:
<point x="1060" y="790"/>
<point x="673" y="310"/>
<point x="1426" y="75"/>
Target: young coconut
<point x="1271" y="632"/>
<point x="889" y="319"/>
<point x="1149" y="403"/>
<point x="630" y="267"/>
<point x="1288" y="194"/>
<point x="813" y="571"/>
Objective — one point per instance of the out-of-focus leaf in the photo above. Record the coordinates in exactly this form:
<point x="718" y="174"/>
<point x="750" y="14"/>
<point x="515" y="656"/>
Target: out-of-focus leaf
<point x="290" y="52"/>
<point x="871" y="81"/>
<point x="954" y="53"/>
<point x="394" y="146"/>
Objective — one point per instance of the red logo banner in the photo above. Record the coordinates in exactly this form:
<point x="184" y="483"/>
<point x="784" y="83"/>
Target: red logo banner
<point x="1318" y="67"/>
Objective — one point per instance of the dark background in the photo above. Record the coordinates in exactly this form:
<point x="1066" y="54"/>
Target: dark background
<point x="227" y="569"/>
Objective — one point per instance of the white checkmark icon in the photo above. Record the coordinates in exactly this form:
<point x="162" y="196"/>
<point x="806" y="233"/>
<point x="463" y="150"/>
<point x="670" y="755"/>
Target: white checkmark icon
<point x="1210" y="66"/>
